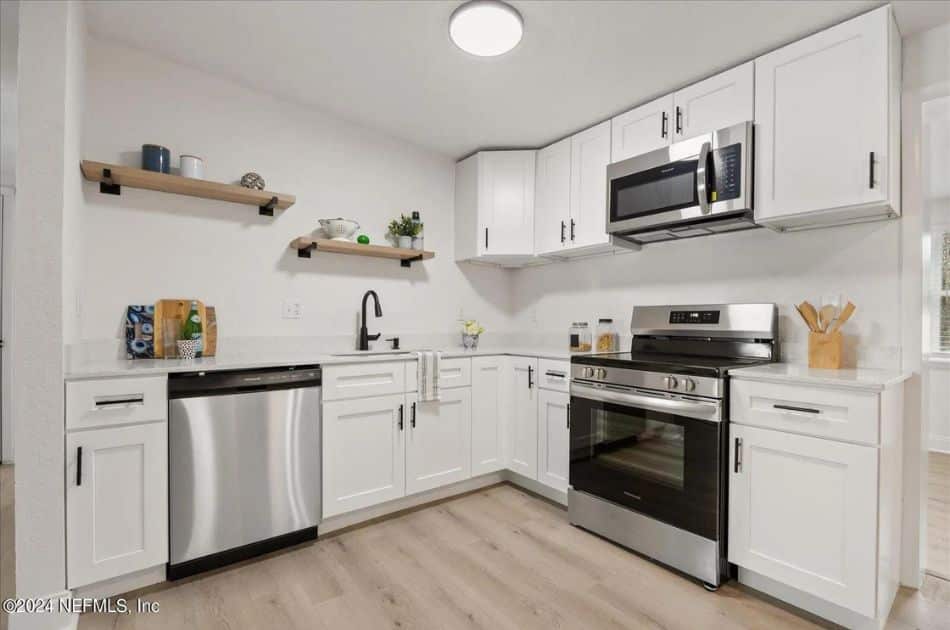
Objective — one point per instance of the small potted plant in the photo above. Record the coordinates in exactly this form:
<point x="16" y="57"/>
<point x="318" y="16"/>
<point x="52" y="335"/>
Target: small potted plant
<point x="471" y="329"/>
<point x="402" y="230"/>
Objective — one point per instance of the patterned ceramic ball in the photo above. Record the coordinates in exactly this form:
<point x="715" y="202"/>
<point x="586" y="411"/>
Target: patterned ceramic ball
<point x="252" y="180"/>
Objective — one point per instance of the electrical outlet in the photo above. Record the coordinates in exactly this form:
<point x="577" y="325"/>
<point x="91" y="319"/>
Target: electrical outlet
<point x="293" y="309"/>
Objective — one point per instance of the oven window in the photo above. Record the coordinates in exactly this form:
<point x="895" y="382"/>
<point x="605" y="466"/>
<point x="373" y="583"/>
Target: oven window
<point x="667" y="187"/>
<point x="639" y="446"/>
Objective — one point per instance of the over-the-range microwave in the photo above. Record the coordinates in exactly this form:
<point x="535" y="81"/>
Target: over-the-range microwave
<point x="694" y="187"/>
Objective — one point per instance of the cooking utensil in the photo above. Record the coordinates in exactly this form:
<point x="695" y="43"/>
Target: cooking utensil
<point x="826" y="316"/>
<point x="846" y="314"/>
<point x="339" y="229"/>
<point x="810" y="315"/>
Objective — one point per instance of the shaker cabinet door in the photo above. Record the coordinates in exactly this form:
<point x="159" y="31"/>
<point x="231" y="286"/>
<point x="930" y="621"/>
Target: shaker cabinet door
<point x="553" y="438"/>
<point x="718" y="102"/>
<point x="523" y="427"/>
<point x="506" y="203"/>
<point x="642" y="129"/>
<point x="490" y="413"/>
<point x="590" y="155"/>
<point x="438" y="440"/>
<point x="552" y="199"/>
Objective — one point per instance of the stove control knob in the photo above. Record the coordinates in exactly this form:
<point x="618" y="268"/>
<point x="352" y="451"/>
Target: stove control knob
<point x="588" y="372"/>
<point x="671" y="382"/>
<point x="689" y="384"/>
<point x="601" y="373"/>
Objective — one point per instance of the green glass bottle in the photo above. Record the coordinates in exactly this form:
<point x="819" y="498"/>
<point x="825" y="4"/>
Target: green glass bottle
<point x="192" y="328"/>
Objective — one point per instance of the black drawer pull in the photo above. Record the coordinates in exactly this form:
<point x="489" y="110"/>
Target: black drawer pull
<point x="128" y="400"/>
<point x="663" y="126"/>
<point x="400" y="417"/>
<point x="792" y="408"/>
<point x="871" y="170"/>
<point x="412" y="417"/>
<point x="563" y="227"/>
<point x="555" y="374"/>
<point x="78" y="465"/>
<point x="738" y="457"/>
<point x="530" y="377"/>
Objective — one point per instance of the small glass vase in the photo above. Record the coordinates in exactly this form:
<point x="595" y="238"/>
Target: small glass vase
<point x="469" y="342"/>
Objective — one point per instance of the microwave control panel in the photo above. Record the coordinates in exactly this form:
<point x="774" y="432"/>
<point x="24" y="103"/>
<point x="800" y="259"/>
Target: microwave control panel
<point x="727" y="169"/>
<point x="694" y="317"/>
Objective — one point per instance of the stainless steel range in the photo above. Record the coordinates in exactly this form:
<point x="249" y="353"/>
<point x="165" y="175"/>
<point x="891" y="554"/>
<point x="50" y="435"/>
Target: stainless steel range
<point x="649" y="432"/>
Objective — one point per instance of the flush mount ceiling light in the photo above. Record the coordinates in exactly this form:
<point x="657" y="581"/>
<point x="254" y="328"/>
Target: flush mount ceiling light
<point x="486" y="28"/>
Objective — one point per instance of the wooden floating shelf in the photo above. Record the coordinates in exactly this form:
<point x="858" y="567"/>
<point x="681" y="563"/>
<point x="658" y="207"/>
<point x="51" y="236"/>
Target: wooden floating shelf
<point x="112" y="177"/>
<point x="305" y="245"/>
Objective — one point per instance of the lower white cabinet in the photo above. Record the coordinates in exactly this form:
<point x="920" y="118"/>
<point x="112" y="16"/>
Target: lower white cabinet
<point x="804" y="511"/>
<point x="116" y="501"/>
<point x="489" y="413"/>
<point x="522" y="444"/>
<point x="553" y="438"/>
<point x="364" y="447"/>
<point x="438" y="440"/>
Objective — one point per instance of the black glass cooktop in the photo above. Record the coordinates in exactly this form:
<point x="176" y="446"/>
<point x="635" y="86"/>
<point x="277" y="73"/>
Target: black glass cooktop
<point x="675" y="364"/>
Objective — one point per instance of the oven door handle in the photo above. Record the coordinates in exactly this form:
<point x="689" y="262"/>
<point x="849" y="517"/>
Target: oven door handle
<point x="701" y="193"/>
<point x="690" y="408"/>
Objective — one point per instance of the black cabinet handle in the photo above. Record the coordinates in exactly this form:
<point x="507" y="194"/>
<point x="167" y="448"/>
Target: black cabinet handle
<point x="400" y="417"/>
<point x="530" y="376"/>
<point x="738" y="465"/>
<point x="412" y="416"/>
<point x="554" y="374"/>
<point x="486" y="238"/>
<point x="78" y="465"/>
<point x="572" y="229"/>
<point x="562" y="231"/>
<point x="663" y="125"/>
<point x="871" y="170"/>
<point x="568" y="416"/>
<point x="792" y="408"/>
<point x="679" y="120"/>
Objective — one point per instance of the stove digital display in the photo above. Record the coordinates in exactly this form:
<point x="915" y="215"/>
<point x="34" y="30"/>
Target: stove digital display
<point x="694" y="317"/>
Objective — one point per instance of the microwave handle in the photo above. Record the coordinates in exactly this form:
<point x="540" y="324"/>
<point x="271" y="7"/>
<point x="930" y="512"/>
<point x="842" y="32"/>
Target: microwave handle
<point x="701" y="193"/>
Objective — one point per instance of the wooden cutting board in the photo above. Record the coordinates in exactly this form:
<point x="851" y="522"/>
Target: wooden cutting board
<point x="174" y="309"/>
<point x="211" y="332"/>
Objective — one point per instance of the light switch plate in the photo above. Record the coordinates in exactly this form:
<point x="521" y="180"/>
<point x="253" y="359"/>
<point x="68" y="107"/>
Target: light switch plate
<point x="292" y="309"/>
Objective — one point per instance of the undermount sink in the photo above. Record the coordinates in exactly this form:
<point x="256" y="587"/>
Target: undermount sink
<point x="372" y="353"/>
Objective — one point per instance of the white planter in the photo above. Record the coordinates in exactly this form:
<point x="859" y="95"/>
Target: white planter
<point x="404" y="242"/>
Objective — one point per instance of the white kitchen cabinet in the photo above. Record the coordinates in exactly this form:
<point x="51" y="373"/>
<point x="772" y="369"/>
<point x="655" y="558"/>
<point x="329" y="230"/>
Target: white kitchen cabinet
<point x="438" y="440"/>
<point x="522" y="444"/>
<point x="553" y="438"/>
<point x="803" y="512"/>
<point x="827" y="111"/>
<point x="364" y="452"/>
<point x="720" y="101"/>
<point x="590" y="155"/>
<point x="489" y="413"/>
<point x="116" y="501"/>
<point x="552" y="201"/>
<point x="371" y="378"/>
<point x="494" y="207"/>
<point x="642" y="129"/>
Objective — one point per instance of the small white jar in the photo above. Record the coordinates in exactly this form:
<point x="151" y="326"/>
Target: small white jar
<point x="192" y="166"/>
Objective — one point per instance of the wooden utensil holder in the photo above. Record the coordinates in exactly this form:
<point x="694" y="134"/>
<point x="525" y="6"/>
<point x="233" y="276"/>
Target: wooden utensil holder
<point x="824" y="350"/>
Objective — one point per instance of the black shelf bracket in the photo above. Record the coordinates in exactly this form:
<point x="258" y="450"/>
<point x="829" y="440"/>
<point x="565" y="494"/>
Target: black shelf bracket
<point x="407" y="262"/>
<point x="107" y="186"/>
<point x="267" y="210"/>
<point x="304" y="252"/>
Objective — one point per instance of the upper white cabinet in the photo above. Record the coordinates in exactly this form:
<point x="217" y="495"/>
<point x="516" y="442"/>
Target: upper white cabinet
<point x="438" y="440"/>
<point x="522" y="444"/>
<point x="552" y="199"/>
<point x="717" y="102"/>
<point x="489" y="413"/>
<point x="590" y="155"/>
<point x="827" y="116"/>
<point x="494" y="207"/>
<point x="116" y="501"/>
<point x="642" y="129"/>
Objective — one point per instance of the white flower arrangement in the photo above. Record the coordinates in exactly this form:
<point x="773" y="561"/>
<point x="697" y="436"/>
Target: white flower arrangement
<point x="472" y="327"/>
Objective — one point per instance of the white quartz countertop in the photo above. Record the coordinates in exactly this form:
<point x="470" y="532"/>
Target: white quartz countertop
<point x="859" y="378"/>
<point x="237" y="361"/>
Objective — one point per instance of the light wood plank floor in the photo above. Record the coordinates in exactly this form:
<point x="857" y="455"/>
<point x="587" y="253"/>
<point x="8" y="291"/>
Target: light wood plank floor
<point x="7" y="564"/>
<point x="938" y="514"/>
<point x="496" y="558"/>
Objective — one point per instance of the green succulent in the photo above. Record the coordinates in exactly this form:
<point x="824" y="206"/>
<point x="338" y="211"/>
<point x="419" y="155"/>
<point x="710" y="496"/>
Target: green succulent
<point x="403" y="226"/>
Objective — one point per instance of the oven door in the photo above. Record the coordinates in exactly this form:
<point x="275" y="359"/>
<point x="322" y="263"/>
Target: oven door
<point x="660" y="456"/>
<point x="691" y="179"/>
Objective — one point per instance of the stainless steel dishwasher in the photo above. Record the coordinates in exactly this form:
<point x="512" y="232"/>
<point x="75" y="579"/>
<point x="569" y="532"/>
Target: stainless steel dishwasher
<point x="244" y="464"/>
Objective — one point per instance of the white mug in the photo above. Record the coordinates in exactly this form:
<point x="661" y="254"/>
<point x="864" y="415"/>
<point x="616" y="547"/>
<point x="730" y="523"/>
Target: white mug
<point x="192" y="166"/>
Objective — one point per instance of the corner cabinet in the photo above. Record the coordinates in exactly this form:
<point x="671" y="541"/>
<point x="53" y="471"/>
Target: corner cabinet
<point x="827" y="114"/>
<point x="494" y="207"/>
<point x="489" y="413"/>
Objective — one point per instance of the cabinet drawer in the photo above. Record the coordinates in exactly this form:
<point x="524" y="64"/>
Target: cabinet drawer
<point x="455" y="372"/>
<point x="554" y="375"/>
<point x="115" y="401"/>
<point x="830" y="413"/>
<point x="364" y="379"/>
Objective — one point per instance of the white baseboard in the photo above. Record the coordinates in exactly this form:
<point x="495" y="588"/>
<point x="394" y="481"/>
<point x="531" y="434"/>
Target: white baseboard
<point x="939" y="443"/>
<point x="536" y="487"/>
<point x="124" y="583"/>
<point x="46" y="621"/>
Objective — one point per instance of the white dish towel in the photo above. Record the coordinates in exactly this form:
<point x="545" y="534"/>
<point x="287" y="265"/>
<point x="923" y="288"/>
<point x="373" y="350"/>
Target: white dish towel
<point x="427" y="371"/>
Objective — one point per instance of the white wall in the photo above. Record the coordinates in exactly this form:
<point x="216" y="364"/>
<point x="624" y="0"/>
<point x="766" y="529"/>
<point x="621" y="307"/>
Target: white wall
<point x="142" y="246"/>
<point x="859" y="262"/>
<point x="8" y="98"/>
<point x="50" y="35"/>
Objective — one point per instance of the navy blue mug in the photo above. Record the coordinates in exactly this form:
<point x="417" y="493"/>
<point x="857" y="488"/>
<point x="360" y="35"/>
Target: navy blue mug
<point x="156" y="158"/>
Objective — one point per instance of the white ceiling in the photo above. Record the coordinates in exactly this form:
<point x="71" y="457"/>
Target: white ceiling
<point x="391" y="66"/>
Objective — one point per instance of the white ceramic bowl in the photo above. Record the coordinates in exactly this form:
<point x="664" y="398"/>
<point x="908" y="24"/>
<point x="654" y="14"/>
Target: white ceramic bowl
<point x="339" y="229"/>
